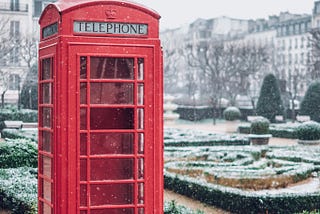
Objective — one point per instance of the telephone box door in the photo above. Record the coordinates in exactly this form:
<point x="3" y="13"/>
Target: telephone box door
<point x="116" y="144"/>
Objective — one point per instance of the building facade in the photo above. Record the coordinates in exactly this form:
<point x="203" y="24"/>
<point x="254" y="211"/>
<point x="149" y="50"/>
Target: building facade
<point x="19" y="32"/>
<point x="286" y="35"/>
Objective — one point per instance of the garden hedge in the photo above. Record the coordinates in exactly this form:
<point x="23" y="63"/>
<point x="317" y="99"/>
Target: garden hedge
<point x="18" y="190"/>
<point x="18" y="153"/>
<point x="274" y="130"/>
<point x="239" y="201"/>
<point x="30" y="134"/>
<point x="25" y="115"/>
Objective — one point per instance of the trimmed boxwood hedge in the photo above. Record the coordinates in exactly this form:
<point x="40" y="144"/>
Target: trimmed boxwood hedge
<point x="274" y="130"/>
<point x="238" y="201"/>
<point x="18" y="190"/>
<point x="18" y="153"/>
<point x="30" y="134"/>
<point x="25" y="115"/>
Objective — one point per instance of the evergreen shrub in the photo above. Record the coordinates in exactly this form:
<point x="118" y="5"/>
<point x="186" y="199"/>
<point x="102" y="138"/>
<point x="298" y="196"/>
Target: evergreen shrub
<point x="269" y="103"/>
<point x="18" y="190"/>
<point x="309" y="130"/>
<point x="260" y="126"/>
<point x="310" y="104"/>
<point x="231" y="113"/>
<point x="18" y="153"/>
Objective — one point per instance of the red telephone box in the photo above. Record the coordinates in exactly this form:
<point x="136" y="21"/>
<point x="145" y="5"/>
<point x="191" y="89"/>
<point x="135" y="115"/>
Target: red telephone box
<point x="100" y="109"/>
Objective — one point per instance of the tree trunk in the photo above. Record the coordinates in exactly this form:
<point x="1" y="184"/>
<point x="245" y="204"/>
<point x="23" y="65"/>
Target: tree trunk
<point x="2" y="99"/>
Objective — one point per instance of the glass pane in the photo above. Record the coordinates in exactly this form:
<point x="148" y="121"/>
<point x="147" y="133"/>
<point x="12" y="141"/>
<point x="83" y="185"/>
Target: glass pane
<point x="83" y="67"/>
<point x="140" y="94"/>
<point x="111" y="143"/>
<point x="46" y="69"/>
<point x="46" y="208"/>
<point x="140" y="118"/>
<point x="46" y="192"/>
<point x="111" y="169"/>
<point x="46" y="141"/>
<point x="83" y="118"/>
<point x="141" y="193"/>
<point x="140" y="143"/>
<point x="83" y="144"/>
<point x="113" y="211"/>
<point x="83" y="212"/>
<point x="83" y="195"/>
<point x="46" y="164"/>
<point x="140" y="168"/>
<point x="46" y="117"/>
<point x="111" y="118"/>
<point x="83" y="93"/>
<point x="83" y="170"/>
<point x="111" y="93"/>
<point x="141" y="211"/>
<point x="140" y="69"/>
<point x="111" y="68"/>
<point x="46" y="93"/>
<point x="104" y="194"/>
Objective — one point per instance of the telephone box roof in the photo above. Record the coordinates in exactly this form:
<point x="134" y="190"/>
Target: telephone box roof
<point x="68" y="5"/>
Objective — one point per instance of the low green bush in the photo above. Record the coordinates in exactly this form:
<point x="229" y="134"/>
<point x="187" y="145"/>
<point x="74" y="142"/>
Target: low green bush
<point x="276" y="130"/>
<point x="18" y="190"/>
<point x="231" y="113"/>
<point x="239" y="201"/>
<point x="18" y="153"/>
<point x="30" y="134"/>
<point x="25" y="115"/>
<point x="309" y="130"/>
<point x="260" y="126"/>
<point x="173" y="208"/>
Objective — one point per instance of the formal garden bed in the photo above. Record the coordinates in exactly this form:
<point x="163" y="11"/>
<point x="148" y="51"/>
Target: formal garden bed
<point x="222" y="176"/>
<point x="246" y="178"/>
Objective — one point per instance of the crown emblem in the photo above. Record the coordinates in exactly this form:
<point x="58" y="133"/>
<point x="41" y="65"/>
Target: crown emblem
<point x="111" y="13"/>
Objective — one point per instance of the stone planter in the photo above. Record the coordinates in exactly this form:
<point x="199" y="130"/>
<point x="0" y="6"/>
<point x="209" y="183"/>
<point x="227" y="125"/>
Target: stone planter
<point x="309" y="142"/>
<point x="261" y="139"/>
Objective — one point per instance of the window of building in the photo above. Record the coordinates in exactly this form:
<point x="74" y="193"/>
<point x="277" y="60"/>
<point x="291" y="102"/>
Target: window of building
<point x="302" y="58"/>
<point x="14" y="29"/>
<point x="14" y="56"/>
<point x="14" y="5"/>
<point x="297" y="28"/>
<point x="302" y="42"/>
<point x="291" y="29"/>
<point x="37" y="8"/>
<point x="296" y="58"/>
<point x="290" y="44"/>
<point x="289" y="58"/>
<point x="14" y="82"/>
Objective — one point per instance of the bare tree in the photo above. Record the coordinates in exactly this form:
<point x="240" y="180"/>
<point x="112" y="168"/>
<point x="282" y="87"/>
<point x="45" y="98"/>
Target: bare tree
<point x="28" y="54"/>
<point x="314" y="61"/>
<point x="209" y="57"/>
<point x="7" y="44"/>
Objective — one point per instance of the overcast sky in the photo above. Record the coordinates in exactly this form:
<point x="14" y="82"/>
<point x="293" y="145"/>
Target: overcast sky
<point x="175" y="13"/>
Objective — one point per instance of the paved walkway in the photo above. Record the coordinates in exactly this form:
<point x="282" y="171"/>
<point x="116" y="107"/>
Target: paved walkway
<point x="221" y="127"/>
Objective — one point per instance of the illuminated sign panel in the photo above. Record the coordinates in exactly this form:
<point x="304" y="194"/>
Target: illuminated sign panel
<point x="110" y="28"/>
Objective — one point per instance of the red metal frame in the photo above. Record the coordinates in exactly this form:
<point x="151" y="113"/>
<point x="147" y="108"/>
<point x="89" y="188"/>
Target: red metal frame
<point x="79" y="176"/>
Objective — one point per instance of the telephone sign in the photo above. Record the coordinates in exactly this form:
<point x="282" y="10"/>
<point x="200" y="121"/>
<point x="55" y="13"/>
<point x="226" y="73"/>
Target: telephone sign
<point x="110" y="28"/>
<point x="100" y="109"/>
